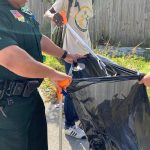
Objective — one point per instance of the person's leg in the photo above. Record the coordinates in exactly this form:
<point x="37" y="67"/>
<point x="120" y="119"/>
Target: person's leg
<point x="15" y="118"/>
<point x="38" y="127"/>
<point x="71" y="116"/>
<point x="69" y="110"/>
<point x="70" y="113"/>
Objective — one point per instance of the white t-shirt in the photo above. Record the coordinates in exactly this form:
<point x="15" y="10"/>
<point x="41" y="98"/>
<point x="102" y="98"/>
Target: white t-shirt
<point x="78" y="20"/>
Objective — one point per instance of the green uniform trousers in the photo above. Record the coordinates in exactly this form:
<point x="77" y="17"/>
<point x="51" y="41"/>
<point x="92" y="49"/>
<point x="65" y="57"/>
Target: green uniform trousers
<point x="24" y="126"/>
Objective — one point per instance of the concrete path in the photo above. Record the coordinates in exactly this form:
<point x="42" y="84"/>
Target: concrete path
<point x="68" y="142"/>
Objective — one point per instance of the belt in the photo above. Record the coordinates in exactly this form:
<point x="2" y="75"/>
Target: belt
<point x="18" y="88"/>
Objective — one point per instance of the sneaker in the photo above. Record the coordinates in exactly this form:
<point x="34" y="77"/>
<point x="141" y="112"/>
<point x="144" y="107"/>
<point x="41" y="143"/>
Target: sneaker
<point x="75" y="132"/>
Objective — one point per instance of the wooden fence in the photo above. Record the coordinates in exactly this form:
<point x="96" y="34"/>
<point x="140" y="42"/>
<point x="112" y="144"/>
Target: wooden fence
<point x="122" y="21"/>
<point x="38" y="7"/>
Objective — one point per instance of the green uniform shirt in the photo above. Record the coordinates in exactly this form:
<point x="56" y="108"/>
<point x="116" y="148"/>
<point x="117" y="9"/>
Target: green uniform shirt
<point x="18" y="27"/>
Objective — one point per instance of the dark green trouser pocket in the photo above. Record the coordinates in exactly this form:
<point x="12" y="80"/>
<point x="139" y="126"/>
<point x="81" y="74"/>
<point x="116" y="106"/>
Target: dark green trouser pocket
<point x="18" y="131"/>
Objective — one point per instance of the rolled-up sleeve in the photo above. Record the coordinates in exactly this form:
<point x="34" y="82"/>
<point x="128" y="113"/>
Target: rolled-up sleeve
<point x="7" y="37"/>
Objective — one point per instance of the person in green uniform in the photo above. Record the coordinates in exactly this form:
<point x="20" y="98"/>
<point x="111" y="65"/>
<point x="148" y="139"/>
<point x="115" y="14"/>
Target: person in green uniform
<point x="22" y="113"/>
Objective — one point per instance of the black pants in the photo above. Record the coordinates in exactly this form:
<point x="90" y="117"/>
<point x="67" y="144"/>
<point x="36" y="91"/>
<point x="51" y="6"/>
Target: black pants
<point x="24" y="126"/>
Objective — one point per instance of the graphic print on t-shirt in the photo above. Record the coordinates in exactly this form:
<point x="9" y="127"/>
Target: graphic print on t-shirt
<point x="82" y="18"/>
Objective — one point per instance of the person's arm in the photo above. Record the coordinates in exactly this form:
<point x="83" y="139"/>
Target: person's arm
<point x="50" y="48"/>
<point x="146" y="80"/>
<point x="51" y="14"/>
<point x="21" y="63"/>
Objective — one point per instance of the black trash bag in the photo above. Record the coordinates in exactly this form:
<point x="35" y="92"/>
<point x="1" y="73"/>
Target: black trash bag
<point x="90" y="67"/>
<point x="114" y="111"/>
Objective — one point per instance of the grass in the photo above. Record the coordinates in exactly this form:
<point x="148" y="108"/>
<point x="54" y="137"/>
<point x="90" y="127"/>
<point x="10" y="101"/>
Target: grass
<point x="132" y="62"/>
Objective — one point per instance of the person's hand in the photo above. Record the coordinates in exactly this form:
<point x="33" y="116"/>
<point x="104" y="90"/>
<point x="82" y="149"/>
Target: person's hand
<point x="58" y="19"/>
<point x="58" y="77"/>
<point x="71" y="58"/>
<point x="146" y="80"/>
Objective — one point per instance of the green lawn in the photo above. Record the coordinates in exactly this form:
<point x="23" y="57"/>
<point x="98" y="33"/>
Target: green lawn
<point x="132" y="62"/>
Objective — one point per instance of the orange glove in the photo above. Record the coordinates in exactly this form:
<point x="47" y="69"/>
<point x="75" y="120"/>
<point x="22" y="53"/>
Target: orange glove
<point x="63" y="84"/>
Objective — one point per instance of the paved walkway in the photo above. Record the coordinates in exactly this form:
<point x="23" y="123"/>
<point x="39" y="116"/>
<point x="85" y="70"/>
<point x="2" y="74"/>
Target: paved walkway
<point x="68" y="143"/>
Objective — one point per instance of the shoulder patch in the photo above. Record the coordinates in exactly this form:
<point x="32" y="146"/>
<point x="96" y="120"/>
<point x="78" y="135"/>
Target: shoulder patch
<point x="17" y="15"/>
